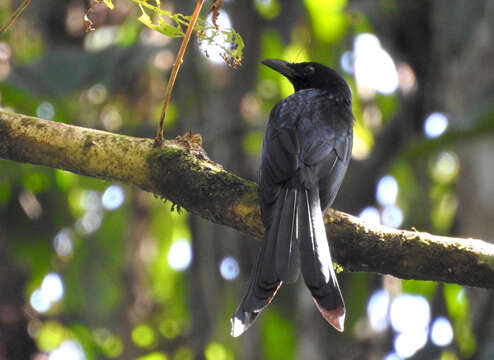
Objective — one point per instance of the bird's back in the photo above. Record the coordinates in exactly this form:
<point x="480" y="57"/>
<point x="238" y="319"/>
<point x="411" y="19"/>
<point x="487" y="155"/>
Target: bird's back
<point x="307" y="143"/>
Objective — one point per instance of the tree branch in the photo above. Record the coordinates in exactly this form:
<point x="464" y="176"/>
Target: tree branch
<point x="180" y="171"/>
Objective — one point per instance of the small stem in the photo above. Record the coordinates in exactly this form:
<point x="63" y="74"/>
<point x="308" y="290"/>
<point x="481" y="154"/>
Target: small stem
<point x="159" y="135"/>
<point x="14" y="16"/>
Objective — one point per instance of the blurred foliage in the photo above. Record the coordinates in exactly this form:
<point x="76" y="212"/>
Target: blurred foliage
<point x="121" y="297"/>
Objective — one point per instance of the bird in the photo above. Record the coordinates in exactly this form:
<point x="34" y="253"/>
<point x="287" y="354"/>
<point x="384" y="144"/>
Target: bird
<point x="305" y="153"/>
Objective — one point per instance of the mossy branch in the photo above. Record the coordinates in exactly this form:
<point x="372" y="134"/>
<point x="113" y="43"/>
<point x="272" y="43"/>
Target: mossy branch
<point x="181" y="172"/>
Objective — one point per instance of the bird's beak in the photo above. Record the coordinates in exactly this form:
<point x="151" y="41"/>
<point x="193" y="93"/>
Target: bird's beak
<point x="281" y="66"/>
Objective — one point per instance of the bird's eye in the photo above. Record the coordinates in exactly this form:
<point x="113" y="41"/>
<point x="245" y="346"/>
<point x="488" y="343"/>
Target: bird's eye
<point x="309" y="70"/>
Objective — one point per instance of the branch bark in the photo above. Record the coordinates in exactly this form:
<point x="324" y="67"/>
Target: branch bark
<point x="180" y="171"/>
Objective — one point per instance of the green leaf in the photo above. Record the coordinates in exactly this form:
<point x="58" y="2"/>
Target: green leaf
<point x="145" y="19"/>
<point x="169" y="30"/>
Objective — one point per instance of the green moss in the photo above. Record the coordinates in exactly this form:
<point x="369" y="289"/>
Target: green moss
<point x="191" y="180"/>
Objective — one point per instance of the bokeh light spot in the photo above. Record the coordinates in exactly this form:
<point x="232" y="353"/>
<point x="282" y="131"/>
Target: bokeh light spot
<point x="156" y="355"/>
<point x="111" y="118"/>
<point x="387" y="190"/>
<point x="215" y="351"/>
<point x="68" y="350"/>
<point x="63" y="243"/>
<point x="377" y="310"/>
<point x="435" y="124"/>
<point x="407" y="343"/>
<point x="46" y="110"/>
<point x="374" y="67"/>
<point x="52" y="287"/>
<point x="101" y="38"/>
<point x="409" y="312"/>
<point x="392" y="216"/>
<point x="90" y="223"/>
<point x="30" y="204"/>
<point x="346" y="62"/>
<point x="50" y="335"/>
<point x="39" y="302"/>
<point x="229" y="268"/>
<point x="143" y="335"/>
<point x="441" y="331"/>
<point x="111" y="345"/>
<point x="97" y="94"/>
<point x="407" y="78"/>
<point x="180" y="255"/>
<point x="446" y="167"/>
<point x="113" y="197"/>
<point x="370" y="215"/>
<point x="90" y="200"/>
<point x="392" y="356"/>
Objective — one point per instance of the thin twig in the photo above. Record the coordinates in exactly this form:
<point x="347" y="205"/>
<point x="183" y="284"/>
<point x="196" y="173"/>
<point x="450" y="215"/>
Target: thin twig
<point x="159" y="135"/>
<point x="14" y="16"/>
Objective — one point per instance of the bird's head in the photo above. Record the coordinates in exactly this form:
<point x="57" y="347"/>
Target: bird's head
<point x="311" y="75"/>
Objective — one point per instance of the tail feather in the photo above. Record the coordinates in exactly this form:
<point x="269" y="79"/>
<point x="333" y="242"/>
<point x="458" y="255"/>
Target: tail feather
<point x="259" y="294"/>
<point x="263" y="283"/>
<point x="287" y="261"/>
<point x="295" y="240"/>
<point x="316" y="263"/>
<point x="278" y="261"/>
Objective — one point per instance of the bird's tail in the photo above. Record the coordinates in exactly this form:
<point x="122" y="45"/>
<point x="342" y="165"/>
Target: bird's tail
<point x="316" y="263"/>
<point x="278" y="261"/>
<point x="296" y="239"/>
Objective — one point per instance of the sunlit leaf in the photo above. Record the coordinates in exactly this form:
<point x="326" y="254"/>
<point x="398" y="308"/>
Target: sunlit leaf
<point x="232" y="48"/>
<point x="109" y="4"/>
<point x="145" y="19"/>
<point x="168" y="30"/>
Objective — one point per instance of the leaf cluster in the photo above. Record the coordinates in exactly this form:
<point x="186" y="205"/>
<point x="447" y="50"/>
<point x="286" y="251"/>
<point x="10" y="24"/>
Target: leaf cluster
<point x="174" y="25"/>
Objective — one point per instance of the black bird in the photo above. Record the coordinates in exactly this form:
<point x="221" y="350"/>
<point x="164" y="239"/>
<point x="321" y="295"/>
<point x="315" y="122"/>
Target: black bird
<point x="304" y="157"/>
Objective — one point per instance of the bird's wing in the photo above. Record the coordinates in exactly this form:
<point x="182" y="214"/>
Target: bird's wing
<point x="332" y="174"/>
